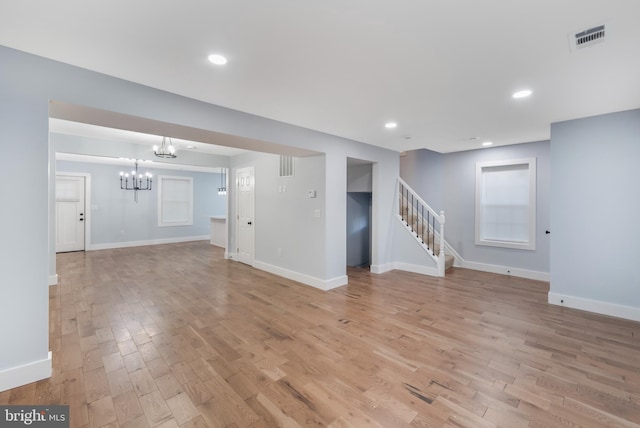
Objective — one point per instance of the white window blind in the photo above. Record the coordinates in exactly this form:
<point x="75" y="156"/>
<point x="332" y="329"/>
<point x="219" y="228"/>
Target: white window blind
<point x="505" y="203"/>
<point x="175" y="201"/>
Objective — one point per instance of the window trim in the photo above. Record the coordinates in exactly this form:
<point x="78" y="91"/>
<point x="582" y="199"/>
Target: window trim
<point x="188" y="221"/>
<point x="530" y="244"/>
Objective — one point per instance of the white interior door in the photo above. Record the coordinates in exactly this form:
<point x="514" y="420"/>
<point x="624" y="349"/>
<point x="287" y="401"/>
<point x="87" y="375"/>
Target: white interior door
<point x="245" y="209"/>
<point x="70" y="213"/>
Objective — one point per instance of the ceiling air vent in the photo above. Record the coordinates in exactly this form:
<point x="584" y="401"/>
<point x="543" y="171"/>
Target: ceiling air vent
<point x="588" y="38"/>
<point x="286" y="166"/>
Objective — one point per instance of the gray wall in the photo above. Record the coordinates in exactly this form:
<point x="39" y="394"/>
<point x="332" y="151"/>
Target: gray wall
<point x="447" y="182"/>
<point x="595" y="208"/>
<point x="423" y="170"/>
<point x="116" y="218"/>
<point x="24" y="306"/>
<point x="287" y="233"/>
<point x="359" y="178"/>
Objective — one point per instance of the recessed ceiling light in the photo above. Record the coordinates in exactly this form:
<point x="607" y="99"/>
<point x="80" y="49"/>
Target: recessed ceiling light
<point x="487" y="143"/>
<point x="217" y="59"/>
<point x="390" y="125"/>
<point x="522" y="94"/>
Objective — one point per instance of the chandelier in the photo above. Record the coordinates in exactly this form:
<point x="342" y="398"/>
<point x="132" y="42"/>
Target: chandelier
<point x="222" y="190"/>
<point x="165" y="151"/>
<point x="136" y="181"/>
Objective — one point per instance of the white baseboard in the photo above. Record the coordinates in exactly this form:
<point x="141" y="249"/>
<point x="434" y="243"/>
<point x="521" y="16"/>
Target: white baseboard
<point x="604" y="308"/>
<point x="322" y="284"/>
<point x="407" y="267"/>
<point x="127" y="244"/>
<point x="483" y="267"/>
<point x="53" y="279"/>
<point x="506" y="270"/>
<point x="330" y="284"/>
<point x="26" y="373"/>
<point x="423" y="270"/>
<point x="381" y="268"/>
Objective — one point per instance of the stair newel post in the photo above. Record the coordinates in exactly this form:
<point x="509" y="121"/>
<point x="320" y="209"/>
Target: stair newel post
<point x="441" y="260"/>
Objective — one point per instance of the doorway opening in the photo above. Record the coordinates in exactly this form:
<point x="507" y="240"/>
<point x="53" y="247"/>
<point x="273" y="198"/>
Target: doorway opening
<point x="71" y="220"/>
<point x="359" y="213"/>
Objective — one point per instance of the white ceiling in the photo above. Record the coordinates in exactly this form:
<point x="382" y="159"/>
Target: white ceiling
<point x="443" y="70"/>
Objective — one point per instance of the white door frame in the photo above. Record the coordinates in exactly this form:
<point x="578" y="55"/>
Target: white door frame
<point x="251" y="171"/>
<point x="87" y="203"/>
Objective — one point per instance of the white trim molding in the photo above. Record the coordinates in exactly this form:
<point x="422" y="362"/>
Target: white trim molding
<point x="27" y="373"/>
<point x="112" y="245"/>
<point x="407" y="267"/>
<point x="322" y="284"/>
<point x="499" y="269"/>
<point x="423" y="270"/>
<point x="378" y="269"/>
<point x="460" y="262"/>
<point x="506" y="270"/>
<point x="604" y="308"/>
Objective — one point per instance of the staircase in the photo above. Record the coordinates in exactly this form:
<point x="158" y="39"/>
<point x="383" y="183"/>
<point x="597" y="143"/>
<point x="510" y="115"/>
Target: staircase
<point x="424" y="224"/>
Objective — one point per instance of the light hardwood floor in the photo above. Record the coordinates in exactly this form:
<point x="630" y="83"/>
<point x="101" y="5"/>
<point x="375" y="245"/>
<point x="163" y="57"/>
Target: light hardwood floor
<point x="174" y="335"/>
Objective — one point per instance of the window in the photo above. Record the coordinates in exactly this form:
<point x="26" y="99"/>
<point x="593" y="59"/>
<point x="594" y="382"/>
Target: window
<point x="175" y="201"/>
<point x="506" y="204"/>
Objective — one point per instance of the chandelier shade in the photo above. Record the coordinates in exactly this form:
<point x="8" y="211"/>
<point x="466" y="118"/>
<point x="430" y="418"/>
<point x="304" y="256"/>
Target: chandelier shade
<point x="165" y="150"/>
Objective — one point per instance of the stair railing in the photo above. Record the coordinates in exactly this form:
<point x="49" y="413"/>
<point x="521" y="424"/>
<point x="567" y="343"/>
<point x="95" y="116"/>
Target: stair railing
<point x="423" y="222"/>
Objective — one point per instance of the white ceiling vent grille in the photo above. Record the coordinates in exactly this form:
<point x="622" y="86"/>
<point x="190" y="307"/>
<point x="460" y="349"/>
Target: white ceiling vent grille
<point x="588" y="38"/>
